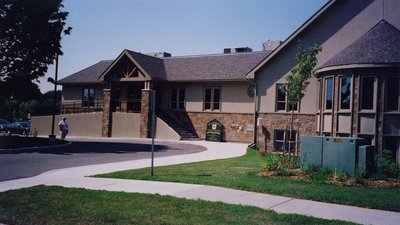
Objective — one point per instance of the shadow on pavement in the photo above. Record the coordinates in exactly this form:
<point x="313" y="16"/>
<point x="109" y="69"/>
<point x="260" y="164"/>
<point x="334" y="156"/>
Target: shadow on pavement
<point x="92" y="147"/>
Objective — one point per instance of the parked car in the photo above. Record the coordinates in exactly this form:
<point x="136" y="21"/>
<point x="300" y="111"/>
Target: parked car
<point x="23" y="128"/>
<point x="3" y="124"/>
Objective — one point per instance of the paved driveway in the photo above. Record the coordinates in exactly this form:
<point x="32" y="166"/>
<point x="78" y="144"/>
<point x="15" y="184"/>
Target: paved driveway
<point x="32" y="162"/>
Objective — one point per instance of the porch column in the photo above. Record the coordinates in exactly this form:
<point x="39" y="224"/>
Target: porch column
<point x="145" y="114"/>
<point x="105" y="129"/>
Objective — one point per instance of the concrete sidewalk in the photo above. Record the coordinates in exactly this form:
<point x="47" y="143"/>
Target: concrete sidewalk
<point x="77" y="177"/>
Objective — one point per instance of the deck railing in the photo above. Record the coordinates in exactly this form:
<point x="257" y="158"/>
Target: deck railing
<point x="81" y="107"/>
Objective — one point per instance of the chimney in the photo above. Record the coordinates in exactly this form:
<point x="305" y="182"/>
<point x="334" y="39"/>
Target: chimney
<point x="271" y="45"/>
<point x="237" y="50"/>
<point x="159" y="54"/>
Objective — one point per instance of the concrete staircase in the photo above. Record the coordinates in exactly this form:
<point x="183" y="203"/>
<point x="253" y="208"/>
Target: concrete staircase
<point x="185" y="132"/>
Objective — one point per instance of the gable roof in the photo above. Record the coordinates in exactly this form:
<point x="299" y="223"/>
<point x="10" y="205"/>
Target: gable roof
<point x="87" y="75"/>
<point x="153" y="66"/>
<point x="221" y="67"/>
<point x="380" y="45"/>
<point x="251" y="73"/>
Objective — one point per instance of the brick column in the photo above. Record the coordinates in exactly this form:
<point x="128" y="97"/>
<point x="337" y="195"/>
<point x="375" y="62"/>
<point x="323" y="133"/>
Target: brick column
<point x="145" y="116"/>
<point x="105" y="129"/>
<point x="356" y="105"/>
<point x="380" y="109"/>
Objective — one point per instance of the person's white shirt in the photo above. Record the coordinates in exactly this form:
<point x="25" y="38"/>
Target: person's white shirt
<point x="63" y="125"/>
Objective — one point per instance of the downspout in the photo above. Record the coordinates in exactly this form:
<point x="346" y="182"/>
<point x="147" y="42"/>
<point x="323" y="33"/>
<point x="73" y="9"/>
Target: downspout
<point x="255" y="116"/>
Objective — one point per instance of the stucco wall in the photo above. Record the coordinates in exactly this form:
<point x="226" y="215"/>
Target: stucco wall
<point x="234" y="98"/>
<point x="125" y="125"/>
<point x="88" y="124"/>
<point x="163" y="131"/>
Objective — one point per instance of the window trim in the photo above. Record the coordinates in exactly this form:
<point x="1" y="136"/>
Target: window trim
<point x="178" y="95"/>
<point x="340" y="92"/>
<point x="292" y="142"/>
<point x="287" y="106"/>
<point x="89" y="102"/>
<point x="375" y="92"/>
<point x="386" y="97"/>
<point x="325" y="93"/>
<point x="212" y="102"/>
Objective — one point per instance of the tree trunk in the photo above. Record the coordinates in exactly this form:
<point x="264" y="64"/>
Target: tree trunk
<point x="291" y="131"/>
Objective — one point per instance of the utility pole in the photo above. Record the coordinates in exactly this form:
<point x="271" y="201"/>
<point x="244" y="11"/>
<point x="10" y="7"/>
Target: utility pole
<point x="52" y="137"/>
<point x="153" y="118"/>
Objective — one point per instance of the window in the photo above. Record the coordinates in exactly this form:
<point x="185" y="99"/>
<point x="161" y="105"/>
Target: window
<point x="280" y="97"/>
<point x="212" y="97"/>
<point x="328" y="93"/>
<point x="393" y="144"/>
<point x="283" y="136"/>
<point x="88" y="97"/>
<point x="319" y="95"/>
<point x="282" y="103"/>
<point x="367" y="93"/>
<point x="392" y="94"/>
<point x="345" y="92"/>
<point x="177" y="99"/>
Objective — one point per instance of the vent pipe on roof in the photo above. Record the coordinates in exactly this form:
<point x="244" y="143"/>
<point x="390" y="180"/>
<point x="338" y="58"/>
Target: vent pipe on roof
<point x="237" y="50"/>
<point x="271" y="45"/>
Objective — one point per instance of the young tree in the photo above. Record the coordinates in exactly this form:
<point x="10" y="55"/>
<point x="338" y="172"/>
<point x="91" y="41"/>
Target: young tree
<point x="298" y="80"/>
<point x="30" y="35"/>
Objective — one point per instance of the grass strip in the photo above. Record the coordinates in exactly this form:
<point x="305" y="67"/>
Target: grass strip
<point x="241" y="173"/>
<point x="57" y="205"/>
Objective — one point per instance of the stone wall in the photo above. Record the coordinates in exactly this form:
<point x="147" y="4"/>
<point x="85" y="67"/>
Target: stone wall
<point x="235" y="124"/>
<point x="106" y="120"/>
<point x="304" y="124"/>
<point x="145" y="116"/>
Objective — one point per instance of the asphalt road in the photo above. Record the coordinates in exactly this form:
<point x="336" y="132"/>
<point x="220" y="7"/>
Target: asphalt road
<point x="32" y="162"/>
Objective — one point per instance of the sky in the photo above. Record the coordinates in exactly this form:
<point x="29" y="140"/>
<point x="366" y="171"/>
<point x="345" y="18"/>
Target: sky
<point x="102" y="29"/>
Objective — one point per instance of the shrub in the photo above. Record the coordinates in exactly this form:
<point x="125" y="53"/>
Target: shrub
<point x="280" y="165"/>
<point x="272" y="163"/>
<point x="386" y="166"/>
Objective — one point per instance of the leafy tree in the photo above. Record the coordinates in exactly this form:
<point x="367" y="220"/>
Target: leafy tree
<point x="30" y="35"/>
<point x="298" y="80"/>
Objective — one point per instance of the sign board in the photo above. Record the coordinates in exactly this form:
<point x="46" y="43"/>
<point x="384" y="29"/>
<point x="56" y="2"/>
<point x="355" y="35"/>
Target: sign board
<point x="214" y="131"/>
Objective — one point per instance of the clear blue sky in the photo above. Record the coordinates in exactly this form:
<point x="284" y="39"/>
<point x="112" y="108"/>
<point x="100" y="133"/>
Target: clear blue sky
<point x="102" y="29"/>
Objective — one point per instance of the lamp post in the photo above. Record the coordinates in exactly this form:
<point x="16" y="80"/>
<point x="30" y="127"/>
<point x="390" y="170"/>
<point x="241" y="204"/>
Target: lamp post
<point x="52" y="137"/>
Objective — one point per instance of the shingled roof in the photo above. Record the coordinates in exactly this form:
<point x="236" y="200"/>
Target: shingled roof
<point x="152" y="65"/>
<point x="380" y="45"/>
<point x="212" y="67"/>
<point x="230" y="67"/>
<point x="87" y="75"/>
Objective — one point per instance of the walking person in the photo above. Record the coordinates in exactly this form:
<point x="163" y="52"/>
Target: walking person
<point x="63" y="128"/>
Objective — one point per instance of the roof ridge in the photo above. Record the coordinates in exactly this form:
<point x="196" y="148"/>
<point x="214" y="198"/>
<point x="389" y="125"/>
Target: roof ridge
<point x="217" y="54"/>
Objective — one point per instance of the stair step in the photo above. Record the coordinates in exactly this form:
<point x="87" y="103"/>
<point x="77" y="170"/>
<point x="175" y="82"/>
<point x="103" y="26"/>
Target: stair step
<point x="184" y="133"/>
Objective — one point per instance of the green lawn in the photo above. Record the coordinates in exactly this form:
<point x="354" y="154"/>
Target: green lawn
<point x="9" y="142"/>
<point x="241" y="173"/>
<point x="56" y="205"/>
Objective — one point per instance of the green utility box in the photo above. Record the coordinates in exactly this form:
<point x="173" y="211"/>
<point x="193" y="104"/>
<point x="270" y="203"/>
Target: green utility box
<point x="214" y="131"/>
<point x="366" y="158"/>
<point x="337" y="153"/>
<point x="341" y="154"/>
<point x="311" y="151"/>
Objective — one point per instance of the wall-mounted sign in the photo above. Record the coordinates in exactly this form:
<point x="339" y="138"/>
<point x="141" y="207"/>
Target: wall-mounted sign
<point x="214" y="131"/>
